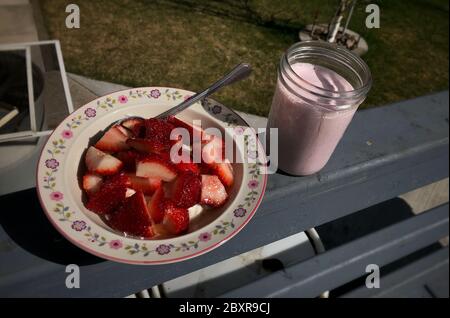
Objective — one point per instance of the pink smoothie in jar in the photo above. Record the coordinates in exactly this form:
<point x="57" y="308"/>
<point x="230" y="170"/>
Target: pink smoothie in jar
<point x="313" y="103"/>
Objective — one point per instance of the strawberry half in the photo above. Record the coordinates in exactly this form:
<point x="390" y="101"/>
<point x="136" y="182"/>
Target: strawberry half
<point x="125" y="131"/>
<point x="132" y="217"/>
<point x="107" y="199"/>
<point x="176" y="220"/>
<point x="130" y="192"/>
<point x="213" y="151"/>
<point x="155" y="167"/>
<point x="147" y="185"/>
<point x="205" y="169"/>
<point x="213" y="157"/>
<point x="155" y="206"/>
<point x="128" y="158"/>
<point x="92" y="183"/>
<point x="120" y="179"/>
<point x="113" y="140"/>
<point x="213" y="192"/>
<point x="101" y="163"/>
<point x="135" y="125"/>
<point x="185" y="191"/>
<point x="188" y="167"/>
<point x="147" y="146"/>
<point x="158" y="130"/>
<point x="160" y="231"/>
<point x="224" y="170"/>
<point x="181" y="124"/>
<point x="190" y="128"/>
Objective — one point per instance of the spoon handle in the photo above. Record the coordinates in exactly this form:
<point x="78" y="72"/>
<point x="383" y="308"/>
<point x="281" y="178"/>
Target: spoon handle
<point x="238" y="73"/>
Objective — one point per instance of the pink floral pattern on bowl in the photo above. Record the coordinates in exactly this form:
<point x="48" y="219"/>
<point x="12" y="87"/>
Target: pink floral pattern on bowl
<point x="90" y="113"/>
<point x="67" y="134"/>
<point x="56" y="196"/>
<point x="253" y="184"/>
<point x="204" y="237"/>
<point x="123" y="99"/>
<point x="155" y="93"/>
<point x="51" y="163"/>
<point x="79" y="225"/>
<point x="115" y="244"/>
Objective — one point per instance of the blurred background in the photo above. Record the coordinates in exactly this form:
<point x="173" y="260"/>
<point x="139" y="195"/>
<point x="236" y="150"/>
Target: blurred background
<point x="189" y="43"/>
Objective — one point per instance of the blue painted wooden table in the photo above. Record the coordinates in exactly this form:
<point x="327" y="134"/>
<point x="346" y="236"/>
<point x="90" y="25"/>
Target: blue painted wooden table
<point x="385" y="152"/>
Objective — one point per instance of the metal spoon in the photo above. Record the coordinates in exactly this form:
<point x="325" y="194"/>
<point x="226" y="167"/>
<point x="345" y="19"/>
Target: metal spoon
<point x="240" y="72"/>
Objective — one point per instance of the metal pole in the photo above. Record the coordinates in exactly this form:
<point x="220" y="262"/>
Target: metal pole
<point x="349" y="16"/>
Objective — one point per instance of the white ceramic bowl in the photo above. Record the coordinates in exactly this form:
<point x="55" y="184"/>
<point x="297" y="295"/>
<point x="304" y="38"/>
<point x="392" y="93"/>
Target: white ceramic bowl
<point x="60" y="169"/>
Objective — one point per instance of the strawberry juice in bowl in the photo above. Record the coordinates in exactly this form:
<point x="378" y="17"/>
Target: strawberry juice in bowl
<point x="319" y="88"/>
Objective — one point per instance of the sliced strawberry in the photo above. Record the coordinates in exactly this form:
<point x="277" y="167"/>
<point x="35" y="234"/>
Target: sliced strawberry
<point x="147" y="199"/>
<point x="132" y="217"/>
<point x="213" y="157"/>
<point x="125" y="131"/>
<point x="176" y="220"/>
<point x="213" y="192"/>
<point x="185" y="191"/>
<point x="179" y="123"/>
<point x="128" y="157"/>
<point x="120" y="179"/>
<point x="158" y="130"/>
<point x="113" y="140"/>
<point x="205" y="168"/>
<point x="155" y="167"/>
<point x="166" y="157"/>
<point x="132" y="122"/>
<point x="147" y="185"/>
<point x="99" y="162"/>
<point x="136" y="126"/>
<point x="129" y="192"/>
<point x="92" y="183"/>
<point x="134" y="183"/>
<point x="148" y="146"/>
<point x="107" y="199"/>
<point x="190" y="128"/>
<point x="213" y="151"/>
<point x="123" y="180"/>
<point x="155" y="206"/>
<point x="224" y="170"/>
<point x="188" y="167"/>
<point x="160" y="231"/>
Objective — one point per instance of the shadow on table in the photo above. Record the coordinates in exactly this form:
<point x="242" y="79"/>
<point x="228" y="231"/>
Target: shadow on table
<point x="25" y="223"/>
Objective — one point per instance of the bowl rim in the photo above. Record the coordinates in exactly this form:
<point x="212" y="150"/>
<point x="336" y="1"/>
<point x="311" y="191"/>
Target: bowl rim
<point x="95" y="252"/>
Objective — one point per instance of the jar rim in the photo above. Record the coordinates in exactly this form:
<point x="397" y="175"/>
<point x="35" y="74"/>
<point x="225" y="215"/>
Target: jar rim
<point x="340" y="55"/>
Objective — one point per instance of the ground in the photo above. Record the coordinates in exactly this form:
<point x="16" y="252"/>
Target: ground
<point x="190" y="43"/>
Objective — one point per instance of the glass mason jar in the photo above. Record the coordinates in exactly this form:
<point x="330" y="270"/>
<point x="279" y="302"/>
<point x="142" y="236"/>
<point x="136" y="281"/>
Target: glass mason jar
<point x="320" y="86"/>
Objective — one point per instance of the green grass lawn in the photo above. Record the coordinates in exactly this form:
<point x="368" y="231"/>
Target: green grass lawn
<point x="190" y="43"/>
